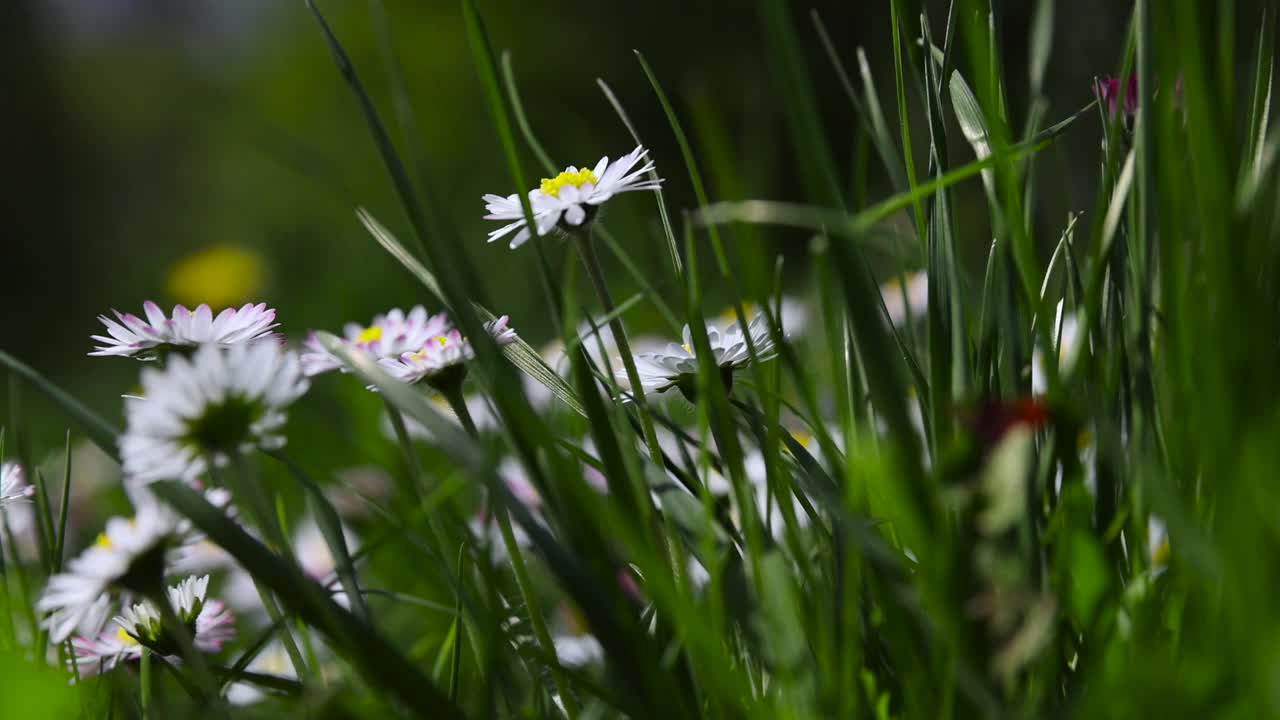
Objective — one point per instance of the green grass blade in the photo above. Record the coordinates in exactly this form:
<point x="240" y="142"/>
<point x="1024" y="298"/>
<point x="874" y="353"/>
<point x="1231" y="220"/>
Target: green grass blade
<point x="100" y="432"/>
<point x="386" y="149"/>
<point x="520" y="353"/>
<point x="381" y="664"/>
<point x="331" y="528"/>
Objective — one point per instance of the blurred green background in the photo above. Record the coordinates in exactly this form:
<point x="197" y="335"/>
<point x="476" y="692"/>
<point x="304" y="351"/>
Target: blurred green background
<point x="183" y="150"/>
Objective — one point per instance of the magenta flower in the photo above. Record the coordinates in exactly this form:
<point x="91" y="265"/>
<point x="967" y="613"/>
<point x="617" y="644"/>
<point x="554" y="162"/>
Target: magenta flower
<point x="1108" y="90"/>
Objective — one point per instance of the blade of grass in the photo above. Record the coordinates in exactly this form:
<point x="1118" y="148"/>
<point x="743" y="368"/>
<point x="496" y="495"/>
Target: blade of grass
<point x="378" y="661"/>
<point x="520" y="353"/>
<point x="99" y="431"/>
<point x="331" y="528"/>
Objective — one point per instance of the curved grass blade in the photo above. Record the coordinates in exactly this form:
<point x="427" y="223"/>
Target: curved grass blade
<point x="379" y="662"/>
<point x="520" y="353"/>
<point x="386" y="149"/>
<point x="100" y="432"/>
<point x="331" y="528"/>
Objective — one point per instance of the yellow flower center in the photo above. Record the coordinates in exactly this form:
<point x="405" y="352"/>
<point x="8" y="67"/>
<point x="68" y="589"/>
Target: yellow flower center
<point x="729" y="316"/>
<point x="551" y="186"/>
<point x="1160" y="558"/>
<point x="124" y="637"/>
<point x="1083" y="440"/>
<point x="442" y="340"/>
<point x="103" y="541"/>
<point x="369" y="334"/>
<point x="687" y="348"/>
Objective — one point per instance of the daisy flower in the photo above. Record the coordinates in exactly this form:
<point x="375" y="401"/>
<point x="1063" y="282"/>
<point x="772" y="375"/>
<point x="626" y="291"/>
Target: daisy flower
<point x="100" y="652"/>
<point x="211" y="624"/>
<point x="678" y="365"/>
<point x="387" y="336"/>
<point x="13" y="488"/>
<point x="131" y="336"/>
<point x="442" y="354"/>
<point x="570" y="198"/>
<point x="140" y="625"/>
<point x="129" y="553"/>
<point x="218" y="402"/>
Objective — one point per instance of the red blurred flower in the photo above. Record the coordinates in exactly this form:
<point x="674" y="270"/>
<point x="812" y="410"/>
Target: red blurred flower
<point x="1109" y="90"/>
<point x="991" y="419"/>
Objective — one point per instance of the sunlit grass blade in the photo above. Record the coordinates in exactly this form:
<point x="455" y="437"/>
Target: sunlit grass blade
<point x="379" y="662"/>
<point x="667" y="231"/>
<point x="520" y="353"/>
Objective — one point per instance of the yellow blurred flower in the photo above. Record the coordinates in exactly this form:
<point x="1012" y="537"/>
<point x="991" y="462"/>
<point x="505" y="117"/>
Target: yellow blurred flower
<point x="220" y="275"/>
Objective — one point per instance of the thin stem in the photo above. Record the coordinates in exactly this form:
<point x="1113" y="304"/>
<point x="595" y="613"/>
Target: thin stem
<point x="596" y="273"/>
<point x="181" y="634"/>
<point x="416" y="484"/>
<point x="417" y="478"/>
<point x="459" y="404"/>
<point x="248" y="492"/>
<point x="535" y="611"/>
<point x="459" y="627"/>
<point x="144" y="689"/>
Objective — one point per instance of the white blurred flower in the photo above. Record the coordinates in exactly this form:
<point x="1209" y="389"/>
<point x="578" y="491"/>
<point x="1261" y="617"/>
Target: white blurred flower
<point x="130" y="552"/>
<point x="661" y="371"/>
<point x="100" y="652"/>
<point x="1066" y="332"/>
<point x="484" y="527"/>
<point x="441" y="353"/>
<point x="570" y="198"/>
<point x="353" y="485"/>
<point x="131" y="336"/>
<point x="793" y="315"/>
<point x="215" y="404"/>
<point x="211" y="623"/>
<point x="914" y="302"/>
<point x="271" y="660"/>
<point x="597" y="340"/>
<point x="387" y="336"/>
<point x="312" y="550"/>
<point x="1158" y="549"/>
<point x="575" y="651"/>
<point x="13" y="486"/>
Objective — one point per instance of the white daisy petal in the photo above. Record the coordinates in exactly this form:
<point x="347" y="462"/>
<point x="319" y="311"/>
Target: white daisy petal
<point x="562" y="199"/>
<point x="184" y="330"/>
<point x="221" y="401"/>
<point x="387" y="336"/>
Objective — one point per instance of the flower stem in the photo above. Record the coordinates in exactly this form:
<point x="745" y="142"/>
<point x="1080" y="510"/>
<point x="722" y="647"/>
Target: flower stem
<point x="416" y="484"/>
<point x="247" y="491"/>
<point x="417" y="479"/>
<point x="594" y="271"/>
<point x="181" y="634"/>
<point x="459" y="405"/>
<point x="144" y="690"/>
